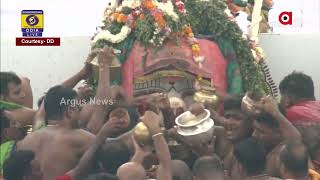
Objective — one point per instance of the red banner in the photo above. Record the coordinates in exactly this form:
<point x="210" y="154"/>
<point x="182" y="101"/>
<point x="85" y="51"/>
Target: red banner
<point x="37" y="41"/>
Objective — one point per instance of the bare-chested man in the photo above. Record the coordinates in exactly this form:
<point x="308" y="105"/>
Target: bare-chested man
<point x="251" y="161"/>
<point x="272" y="129"/>
<point x="58" y="148"/>
<point x="294" y="159"/>
<point x="134" y="170"/>
<point x="237" y="124"/>
<point x="208" y="168"/>
<point x="17" y="90"/>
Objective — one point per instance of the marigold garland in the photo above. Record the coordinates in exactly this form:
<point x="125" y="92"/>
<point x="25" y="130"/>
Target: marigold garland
<point x="132" y="14"/>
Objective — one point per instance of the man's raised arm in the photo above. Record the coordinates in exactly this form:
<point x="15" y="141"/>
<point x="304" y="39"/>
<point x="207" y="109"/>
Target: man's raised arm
<point x="96" y="121"/>
<point x="288" y="131"/>
<point x="151" y="120"/>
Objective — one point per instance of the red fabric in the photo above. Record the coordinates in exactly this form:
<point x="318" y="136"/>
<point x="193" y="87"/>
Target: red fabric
<point x="214" y="66"/>
<point x="64" y="177"/>
<point x="304" y="112"/>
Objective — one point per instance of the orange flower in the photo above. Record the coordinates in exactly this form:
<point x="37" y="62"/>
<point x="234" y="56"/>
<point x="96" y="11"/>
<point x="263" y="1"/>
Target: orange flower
<point x="162" y="23"/>
<point x="196" y="53"/>
<point x="141" y="16"/>
<point x="188" y="30"/>
<point x="158" y="17"/>
<point x="122" y="18"/>
<point x="115" y="16"/>
<point x="148" y="4"/>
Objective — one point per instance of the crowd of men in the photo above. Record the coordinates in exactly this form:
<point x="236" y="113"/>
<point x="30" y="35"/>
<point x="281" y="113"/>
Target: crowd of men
<point x="74" y="141"/>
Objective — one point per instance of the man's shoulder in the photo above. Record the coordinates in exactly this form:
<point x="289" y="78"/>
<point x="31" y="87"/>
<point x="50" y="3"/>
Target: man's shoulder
<point x="80" y="135"/>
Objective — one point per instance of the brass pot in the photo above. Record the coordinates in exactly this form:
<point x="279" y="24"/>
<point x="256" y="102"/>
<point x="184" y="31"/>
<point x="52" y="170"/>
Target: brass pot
<point x="142" y="134"/>
<point x="248" y="103"/>
<point x="95" y="66"/>
<point x="206" y="94"/>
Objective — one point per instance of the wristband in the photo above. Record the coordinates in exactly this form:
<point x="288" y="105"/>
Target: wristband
<point x="158" y="134"/>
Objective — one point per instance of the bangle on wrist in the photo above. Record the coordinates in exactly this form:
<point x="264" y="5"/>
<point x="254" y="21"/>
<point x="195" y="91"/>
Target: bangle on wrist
<point x="158" y="134"/>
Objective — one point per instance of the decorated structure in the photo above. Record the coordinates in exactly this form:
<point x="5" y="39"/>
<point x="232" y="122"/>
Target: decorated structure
<point x="177" y="46"/>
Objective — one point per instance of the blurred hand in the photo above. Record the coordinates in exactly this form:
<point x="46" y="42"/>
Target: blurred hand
<point x="143" y="151"/>
<point x="268" y="104"/>
<point x="86" y="71"/>
<point x="162" y="101"/>
<point x="84" y="91"/>
<point x="112" y="126"/>
<point x="152" y="121"/>
<point x="152" y="172"/>
<point x="105" y="56"/>
<point x="197" y="109"/>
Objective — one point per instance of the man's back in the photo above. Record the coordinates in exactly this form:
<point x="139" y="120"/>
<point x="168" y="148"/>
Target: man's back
<point x="57" y="149"/>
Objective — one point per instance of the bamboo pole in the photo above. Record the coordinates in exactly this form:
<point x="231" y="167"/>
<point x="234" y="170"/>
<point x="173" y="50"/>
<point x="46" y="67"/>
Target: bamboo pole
<point x="255" y="22"/>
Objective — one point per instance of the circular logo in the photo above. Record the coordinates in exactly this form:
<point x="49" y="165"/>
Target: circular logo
<point x="32" y="20"/>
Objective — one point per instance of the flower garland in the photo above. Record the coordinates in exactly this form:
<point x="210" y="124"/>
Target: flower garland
<point x="181" y="7"/>
<point x="161" y="13"/>
<point x="195" y="46"/>
<point x="106" y="35"/>
<point x="168" y="9"/>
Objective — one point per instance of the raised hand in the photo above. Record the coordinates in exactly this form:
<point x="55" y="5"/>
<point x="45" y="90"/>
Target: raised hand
<point x="105" y="56"/>
<point x="268" y="104"/>
<point x="152" y="121"/>
<point x="86" y="71"/>
<point x="112" y="126"/>
<point x="143" y="151"/>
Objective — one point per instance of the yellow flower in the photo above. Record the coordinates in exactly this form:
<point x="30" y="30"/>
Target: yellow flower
<point x="190" y="35"/>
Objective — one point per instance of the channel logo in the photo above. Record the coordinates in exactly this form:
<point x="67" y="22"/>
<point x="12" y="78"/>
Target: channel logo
<point x="32" y="26"/>
<point x="32" y="23"/>
<point x="285" y="18"/>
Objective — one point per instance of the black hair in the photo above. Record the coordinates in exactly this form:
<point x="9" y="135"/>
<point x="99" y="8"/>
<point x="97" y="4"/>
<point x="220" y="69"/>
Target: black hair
<point x="233" y="103"/>
<point x="18" y="165"/>
<point x="268" y="120"/>
<point x="251" y="155"/>
<point x="57" y="100"/>
<point x="295" y="158"/>
<point x="102" y="176"/>
<point x="180" y="170"/>
<point x="113" y="154"/>
<point x="207" y="165"/>
<point x="5" y="79"/>
<point x="299" y="85"/>
<point x="4" y="121"/>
